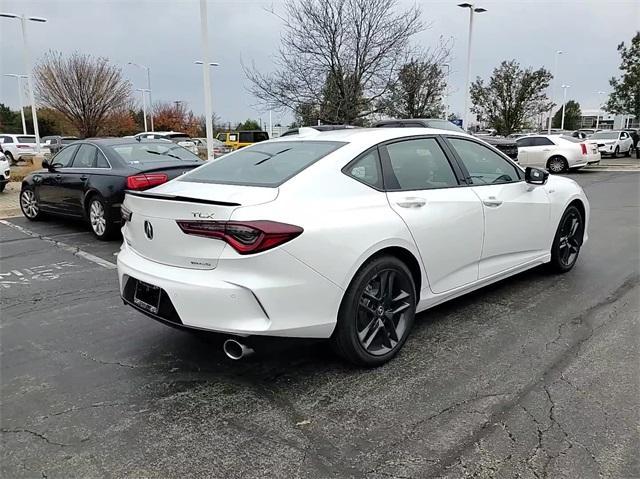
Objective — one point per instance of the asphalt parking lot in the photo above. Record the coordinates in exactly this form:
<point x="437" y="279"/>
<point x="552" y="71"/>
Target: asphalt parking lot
<point x="537" y="376"/>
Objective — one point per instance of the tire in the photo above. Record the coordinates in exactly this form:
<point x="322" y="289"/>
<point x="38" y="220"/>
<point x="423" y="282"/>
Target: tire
<point x="29" y="204"/>
<point x="373" y="324"/>
<point x="628" y="153"/>
<point x="10" y="158"/>
<point x="99" y="217"/>
<point x="616" y="152"/>
<point x="557" y="164"/>
<point x="568" y="241"/>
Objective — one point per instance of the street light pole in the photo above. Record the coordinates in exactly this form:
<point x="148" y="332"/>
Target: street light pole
<point x="598" y="110"/>
<point x="144" y="106"/>
<point x="472" y="10"/>
<point x="553" y="87"/>
<point x="27" y="66"/>
<point x="19" y="78"/>
<point x="206" y="77"/>
<point x="148" y="69"/>
<point x="564" y="104"/>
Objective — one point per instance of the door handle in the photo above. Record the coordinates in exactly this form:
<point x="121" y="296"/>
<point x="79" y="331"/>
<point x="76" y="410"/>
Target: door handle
<point x="411" y="202"/>
<point x="546" y="149"/>
<point x="58" y="177"/>
<point x="492" y="201"/>
<point x="84" y="177"/>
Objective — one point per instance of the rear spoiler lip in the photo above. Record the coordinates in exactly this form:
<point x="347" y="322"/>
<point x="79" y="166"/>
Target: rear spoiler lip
<point x="186" y="199"/>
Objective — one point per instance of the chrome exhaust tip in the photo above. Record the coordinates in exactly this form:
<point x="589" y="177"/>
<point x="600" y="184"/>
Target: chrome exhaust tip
<point x="236" y="350"/>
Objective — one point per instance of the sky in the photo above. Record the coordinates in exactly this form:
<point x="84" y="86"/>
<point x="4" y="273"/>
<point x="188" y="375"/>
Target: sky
<point x="165" y="35"/>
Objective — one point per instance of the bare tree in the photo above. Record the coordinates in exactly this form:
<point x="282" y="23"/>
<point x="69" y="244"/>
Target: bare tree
<point x="341" y="56"/>
<point x="86" y="90"/>
<point x="421" y="85"/>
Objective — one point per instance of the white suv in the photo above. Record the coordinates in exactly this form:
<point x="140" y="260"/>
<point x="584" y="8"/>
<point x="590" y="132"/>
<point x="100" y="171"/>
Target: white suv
<point x="613" y="142"/>
<point x="5" y="171"/>
<point x="181" y="139"/>
<point x="18" y="147"/>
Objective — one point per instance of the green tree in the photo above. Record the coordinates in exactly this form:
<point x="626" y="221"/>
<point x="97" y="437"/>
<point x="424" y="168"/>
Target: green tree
<point x="248" y="125"/>
<point x="572" y="116"/>
<point x="625" y="98"/>
<point x="10" y="121"/>
<point x="511" y="97"/>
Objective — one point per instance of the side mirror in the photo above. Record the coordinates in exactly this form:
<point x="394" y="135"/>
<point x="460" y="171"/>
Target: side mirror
<point x="46" y="164"/>
<point x="535" y="176"/>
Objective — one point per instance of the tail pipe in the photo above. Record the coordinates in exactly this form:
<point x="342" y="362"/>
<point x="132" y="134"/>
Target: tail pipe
<point x="236" y="350"/>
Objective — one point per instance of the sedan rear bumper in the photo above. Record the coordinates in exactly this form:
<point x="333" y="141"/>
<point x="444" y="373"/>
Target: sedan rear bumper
<point x="271" y="294"/>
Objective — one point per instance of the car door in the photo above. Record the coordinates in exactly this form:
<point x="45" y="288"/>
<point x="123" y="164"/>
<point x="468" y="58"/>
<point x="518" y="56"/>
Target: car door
<point x="540" y="150"/>
<point x="444" y="218"/>
<point x="524" y="145"/>
<point x="49" y="183"/>
<point x="74" y="181"/>
<point x="516" y="214"/>
<point x="625" y="142"/>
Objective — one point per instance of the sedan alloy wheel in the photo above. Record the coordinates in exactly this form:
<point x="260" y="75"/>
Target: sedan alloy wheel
<point x="29" y="204"/>
<point x="97" y="217"/>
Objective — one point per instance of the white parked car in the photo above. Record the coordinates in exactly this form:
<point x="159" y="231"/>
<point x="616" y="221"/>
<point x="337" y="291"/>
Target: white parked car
<point x="556" y="153"/>
<point x="5" y="171"/>
<point x="181" y="139"/>
<point x="341" y="234"/>
<point x="18" y="147"/>
<point x="613" y="142"/>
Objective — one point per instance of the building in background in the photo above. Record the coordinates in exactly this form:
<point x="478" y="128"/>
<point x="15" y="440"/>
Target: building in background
<point x="607" y="121"/>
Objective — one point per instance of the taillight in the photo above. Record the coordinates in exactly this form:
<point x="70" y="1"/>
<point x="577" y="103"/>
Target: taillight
<point x="145" y="180"/>
<point x="23" y="146"/>
<point x="246" y="237"/>
<point x="584" y="148"/>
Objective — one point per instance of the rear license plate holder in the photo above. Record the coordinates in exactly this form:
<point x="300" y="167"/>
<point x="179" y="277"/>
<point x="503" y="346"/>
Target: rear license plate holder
<point x="147" y="297"/>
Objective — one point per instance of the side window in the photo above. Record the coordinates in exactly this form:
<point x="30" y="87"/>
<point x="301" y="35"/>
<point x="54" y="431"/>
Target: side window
<point x="222" y="137"/>
<point x="246" y="137"/>
<point x="420" y="165"/>
<point x="524" y="142"/>
<point x="623" y="136"/>
<point x="233" y="137"/>
<point x="101" y="161"/>
<point x="86" y="157"/>
<point x="63" y="159"/>
<point x="541" y="141"/>
<point x="484" y="165"/>
<point x="366" y="169"/>
<point x="7" y="139"/>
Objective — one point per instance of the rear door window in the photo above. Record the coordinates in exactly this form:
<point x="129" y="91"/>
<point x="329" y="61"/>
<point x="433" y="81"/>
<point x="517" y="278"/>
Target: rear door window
<point x="86" y="157"/>
<point x="26" y="139"/>
<point x="541" y="141"/>
<point x="270" y="164"/>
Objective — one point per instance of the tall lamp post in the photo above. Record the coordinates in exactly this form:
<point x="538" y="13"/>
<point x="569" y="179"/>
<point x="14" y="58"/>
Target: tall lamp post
<point x="472" y="10"/>
<point x="148" y="88"/>
<point x="600" y="93"/>
<point x="144" y="105"/>
<point x="27" y="66"/>
<point x="19" y="78"/>
<point x="553" y="86"/>
<point x="564" y="103"/>
<point x="207" y="91"/>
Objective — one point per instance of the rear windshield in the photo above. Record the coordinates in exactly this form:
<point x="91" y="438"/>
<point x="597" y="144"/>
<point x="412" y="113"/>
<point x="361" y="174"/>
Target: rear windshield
<point x="445" y="125"/>
<point x="135" y="153"/>
<point x="26" y="139"/>
<point x="66" y="141"/>
<point x="572" y="139"/>
<point x="178" y="137"/>
<point x="269" y="164"/>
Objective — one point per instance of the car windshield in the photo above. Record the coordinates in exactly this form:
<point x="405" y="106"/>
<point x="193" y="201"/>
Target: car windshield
<point x="445" y="125"/>
<point x="269" y="164"/>
<point x="135" y="153"/>
<point x="26" y="139"/>
<point x="605" y="135"/>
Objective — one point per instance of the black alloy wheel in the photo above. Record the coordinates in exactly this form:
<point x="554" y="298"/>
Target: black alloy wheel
<point x="568" y="240"/>
<point x="377" y="312"/>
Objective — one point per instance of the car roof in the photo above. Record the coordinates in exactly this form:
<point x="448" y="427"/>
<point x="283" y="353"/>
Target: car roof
<point x="367" y="135"/>
<point x="121" y="141"/>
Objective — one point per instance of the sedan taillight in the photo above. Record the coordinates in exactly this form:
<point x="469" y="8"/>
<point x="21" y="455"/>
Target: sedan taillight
<point x="145" y="180"/>
<point x="246" y="237"/>
<point x="584" y="148"/>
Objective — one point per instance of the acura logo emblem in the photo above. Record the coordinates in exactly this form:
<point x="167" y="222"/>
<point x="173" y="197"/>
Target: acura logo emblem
<point x="148" y="230"/>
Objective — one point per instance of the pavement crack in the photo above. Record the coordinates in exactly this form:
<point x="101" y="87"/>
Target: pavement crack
<point x="39" y="435"/>
<point x="101" y="361"/>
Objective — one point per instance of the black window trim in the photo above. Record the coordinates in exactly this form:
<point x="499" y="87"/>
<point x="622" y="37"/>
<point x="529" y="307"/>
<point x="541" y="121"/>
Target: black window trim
<point x="389" y="176"/>
<point x="347" y="167"/>
<point x="468" y="180"/>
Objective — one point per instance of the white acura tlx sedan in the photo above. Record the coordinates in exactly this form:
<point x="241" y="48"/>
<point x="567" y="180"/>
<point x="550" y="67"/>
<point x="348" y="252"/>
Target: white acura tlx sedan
<point x="341" y="234"/>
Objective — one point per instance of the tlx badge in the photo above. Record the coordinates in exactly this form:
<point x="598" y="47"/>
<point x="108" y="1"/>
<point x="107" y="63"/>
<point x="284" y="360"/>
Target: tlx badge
<point x="197" y="214"/>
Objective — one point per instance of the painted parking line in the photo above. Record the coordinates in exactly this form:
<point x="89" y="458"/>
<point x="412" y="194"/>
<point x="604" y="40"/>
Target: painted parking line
<point x="63" y="246"/>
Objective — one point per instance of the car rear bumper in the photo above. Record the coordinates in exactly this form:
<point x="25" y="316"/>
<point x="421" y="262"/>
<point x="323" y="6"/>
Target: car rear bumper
<point x="270" y="294"/>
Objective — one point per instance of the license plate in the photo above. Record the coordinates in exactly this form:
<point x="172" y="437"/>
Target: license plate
<point x="147" y="297"/>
